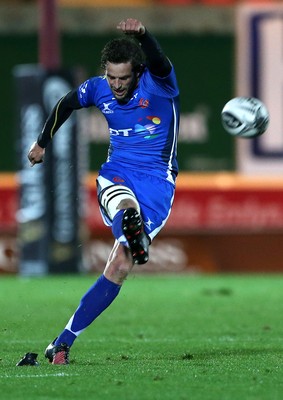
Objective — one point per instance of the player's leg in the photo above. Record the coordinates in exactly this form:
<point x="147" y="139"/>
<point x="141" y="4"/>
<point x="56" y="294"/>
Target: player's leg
<point x="120" y="206"/>
<point x="155" y="197"/>
<point x="120" y="209"/>
<point x="100" y="295"/>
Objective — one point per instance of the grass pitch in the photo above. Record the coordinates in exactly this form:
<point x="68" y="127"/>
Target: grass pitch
<point x="165" y="337"/>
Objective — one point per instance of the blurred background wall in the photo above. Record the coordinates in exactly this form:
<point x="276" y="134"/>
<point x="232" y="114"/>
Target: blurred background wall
<point x="199" y="40"/>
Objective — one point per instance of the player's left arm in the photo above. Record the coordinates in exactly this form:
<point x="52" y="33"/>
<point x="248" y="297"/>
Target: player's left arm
<point x="156" y="61"/>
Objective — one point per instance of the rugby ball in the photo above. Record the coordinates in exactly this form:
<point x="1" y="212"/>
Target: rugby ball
<point x="245" y="117"/>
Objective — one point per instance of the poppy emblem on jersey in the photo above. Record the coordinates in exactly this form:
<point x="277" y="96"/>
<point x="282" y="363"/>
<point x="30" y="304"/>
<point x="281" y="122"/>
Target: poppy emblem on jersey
<point x="118" y="179"/>
<point x="143" y="103"/>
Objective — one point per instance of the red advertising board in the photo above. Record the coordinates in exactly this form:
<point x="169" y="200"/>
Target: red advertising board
<point x="218" y="222"/>
<point x="8" y="202"/>
<point x="222" y="202"/>
<point x="217" y="202"/>
<point x="227" y="210"/>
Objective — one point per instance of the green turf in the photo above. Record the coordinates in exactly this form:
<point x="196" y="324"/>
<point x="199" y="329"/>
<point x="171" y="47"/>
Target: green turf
<point x="165" y="337"/>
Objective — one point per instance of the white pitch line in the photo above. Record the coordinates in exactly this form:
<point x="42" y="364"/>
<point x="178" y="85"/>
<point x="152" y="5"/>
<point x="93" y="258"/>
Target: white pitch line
<point x="60" y="374"/>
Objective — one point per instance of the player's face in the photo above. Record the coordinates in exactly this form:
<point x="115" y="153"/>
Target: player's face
<point x="121" y="79"/>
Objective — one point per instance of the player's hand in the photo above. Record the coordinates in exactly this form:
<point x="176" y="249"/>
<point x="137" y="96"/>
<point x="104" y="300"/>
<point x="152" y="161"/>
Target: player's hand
<point x="36" y="154"/>
<point x="131" y="26"/>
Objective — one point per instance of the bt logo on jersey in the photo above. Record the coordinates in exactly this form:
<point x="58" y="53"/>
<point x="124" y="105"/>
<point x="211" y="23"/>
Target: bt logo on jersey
<point x="120" y="132"/>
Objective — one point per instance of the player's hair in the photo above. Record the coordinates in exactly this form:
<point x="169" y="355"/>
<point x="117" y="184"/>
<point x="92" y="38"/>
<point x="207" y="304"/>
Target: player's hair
<point x="122" y="50"/>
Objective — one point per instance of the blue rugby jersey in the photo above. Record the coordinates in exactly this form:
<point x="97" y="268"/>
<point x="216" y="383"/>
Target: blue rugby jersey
<point x="143" y="132"/>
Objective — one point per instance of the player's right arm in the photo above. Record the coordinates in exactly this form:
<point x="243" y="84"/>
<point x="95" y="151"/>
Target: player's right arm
<point x="156" y="61"/>
<point x="60" y="113"/>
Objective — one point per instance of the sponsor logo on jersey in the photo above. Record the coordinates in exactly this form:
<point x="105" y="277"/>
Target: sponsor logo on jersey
<point x="120" y="132"/>
<point x="148" y="130"/>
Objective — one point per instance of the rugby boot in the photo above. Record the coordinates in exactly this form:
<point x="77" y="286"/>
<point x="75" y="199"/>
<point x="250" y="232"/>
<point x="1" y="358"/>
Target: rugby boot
<point x="57" y="354"/>
<point x="138" y="240"/>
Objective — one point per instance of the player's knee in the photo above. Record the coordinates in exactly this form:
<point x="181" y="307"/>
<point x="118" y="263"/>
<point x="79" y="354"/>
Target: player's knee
<point x="128" y="203"/>
<point x="117" y="197"/>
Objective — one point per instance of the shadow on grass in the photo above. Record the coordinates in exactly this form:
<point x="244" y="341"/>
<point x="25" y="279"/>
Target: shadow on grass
<point x="186" y="357"/>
